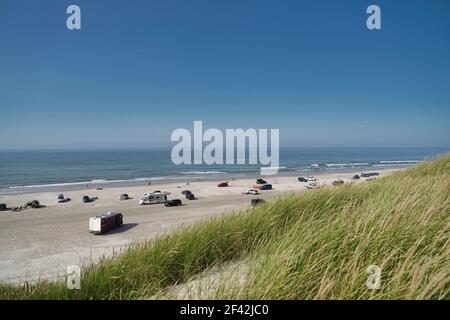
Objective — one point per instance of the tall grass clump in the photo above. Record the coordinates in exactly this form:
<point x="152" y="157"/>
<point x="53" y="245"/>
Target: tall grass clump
<point x="311" y="245"/>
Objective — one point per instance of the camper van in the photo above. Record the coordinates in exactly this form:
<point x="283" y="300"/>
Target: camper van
<point x="150" y="198"/>
<point x="105" y="222"/>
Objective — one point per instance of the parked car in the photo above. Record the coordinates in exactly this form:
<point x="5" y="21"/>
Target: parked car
<point x="223" y="184"/>
<point x="105" y="222"/>
<point x="33" y="204"/>
<point x="302" y="179"/>
<point x="252" y="191"/>
<point x="173" y="202"/>
<point x="261" y="181"/>
<point x="311" y="178"/>
<point x="355" y="177"/>
<point x="3" y="207"/>
<point x="86" y="199"/>
<point x="364" y="175"/>
<point x="190" y="196"/>
<point x="369" y="174"/>
<point x="257" y="201"/>
<point x="338" y="182"/>
<point x="124" y="196"/>
<point x="62" y="199"/>
<point x="265" y="187"/>
<point x="312" y="185"/>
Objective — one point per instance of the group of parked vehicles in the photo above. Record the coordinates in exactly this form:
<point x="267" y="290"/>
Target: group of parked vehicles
<point x="307" y="179"/>
<point x="105" y="222"/>
<point x="261" y="184"/>
<point x="161" y="197"/>
<point x="313" y="184"/>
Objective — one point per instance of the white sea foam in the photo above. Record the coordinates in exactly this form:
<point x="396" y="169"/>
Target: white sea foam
<point x="400" y="161"/>
<point x="336" y="164"/>
<point x="348" y="164"/>
<point x="95" y="182"/>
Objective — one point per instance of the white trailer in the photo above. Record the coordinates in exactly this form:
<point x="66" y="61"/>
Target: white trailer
<point x="105" y="222"/>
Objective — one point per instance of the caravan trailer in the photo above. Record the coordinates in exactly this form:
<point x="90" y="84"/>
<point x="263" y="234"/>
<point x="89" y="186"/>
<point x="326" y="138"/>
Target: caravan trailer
<point x="105" y="222"/>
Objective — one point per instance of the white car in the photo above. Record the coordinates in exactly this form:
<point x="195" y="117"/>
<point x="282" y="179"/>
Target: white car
<point x="312" y="185"/>
<point x="252" y="191"/>
<point x="311" y="178"/>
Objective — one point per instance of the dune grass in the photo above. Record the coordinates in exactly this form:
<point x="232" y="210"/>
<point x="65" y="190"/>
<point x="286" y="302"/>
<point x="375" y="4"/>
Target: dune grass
<point x="312" y="245"/>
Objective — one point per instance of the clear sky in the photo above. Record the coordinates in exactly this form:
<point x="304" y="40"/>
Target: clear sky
<point x="139" y="69"/>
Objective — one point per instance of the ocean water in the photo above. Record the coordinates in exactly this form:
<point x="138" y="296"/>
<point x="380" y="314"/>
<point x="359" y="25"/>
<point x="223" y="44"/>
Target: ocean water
<point x="25" y="171"/>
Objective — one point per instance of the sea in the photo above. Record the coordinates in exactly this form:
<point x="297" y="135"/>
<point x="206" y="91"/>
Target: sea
<point x="35" y="171"/>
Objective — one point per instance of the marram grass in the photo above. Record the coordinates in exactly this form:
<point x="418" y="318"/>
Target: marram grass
<point x="311" y="245"/>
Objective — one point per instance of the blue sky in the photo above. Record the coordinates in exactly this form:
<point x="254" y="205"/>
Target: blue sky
<point x="139" y="69"/>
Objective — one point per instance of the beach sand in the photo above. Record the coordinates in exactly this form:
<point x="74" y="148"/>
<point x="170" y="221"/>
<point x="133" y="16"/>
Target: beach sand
<point x="41" y="243"/>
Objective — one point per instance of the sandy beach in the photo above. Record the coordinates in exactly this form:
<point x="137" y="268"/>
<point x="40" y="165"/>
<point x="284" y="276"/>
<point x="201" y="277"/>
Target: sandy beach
<point x="41" y="243"/>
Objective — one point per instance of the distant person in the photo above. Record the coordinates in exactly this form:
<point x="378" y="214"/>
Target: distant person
<point x="149" y="183"/>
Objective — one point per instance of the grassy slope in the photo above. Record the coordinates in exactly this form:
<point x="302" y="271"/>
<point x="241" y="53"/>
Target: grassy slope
<point x="316" y="244"/>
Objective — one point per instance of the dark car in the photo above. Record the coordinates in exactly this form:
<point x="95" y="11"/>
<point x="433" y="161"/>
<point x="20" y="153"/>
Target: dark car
<point x="86" y="199"/>
<point x="124" y="196"/>
<point x="256" y="201"/>
<point x="261" y="181"/>
<point x="3" y="207"/>
<point x="186" y="192"/>
<point x="355" y="177"/>
<point x="190" y="196"/>
<point x="302" y="179"/>
<point x="61" y="198"/>
<point x="33" y="204"/>
<point x="223" y="184"/>
<point x="173" y="202"/>
<point x="369" y="174"/>
<point x="266" y="187"/>
<point x="338" y="182"/>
